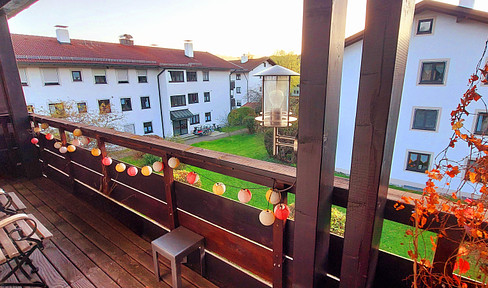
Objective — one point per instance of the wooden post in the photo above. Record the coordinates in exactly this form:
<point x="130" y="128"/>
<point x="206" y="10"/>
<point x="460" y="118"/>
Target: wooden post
<point x="67" y="157"/>
<point x="105" y="177"/>
<point x="169" y="189"/>
<point x="385" y="47"/>
<point x="12" y="97"/>
<point x="320" y="83"/>
<point x="278" y="237"/>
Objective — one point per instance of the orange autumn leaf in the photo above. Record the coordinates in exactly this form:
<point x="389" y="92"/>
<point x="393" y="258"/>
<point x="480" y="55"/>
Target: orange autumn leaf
<point x="472" y="177"/>
<point x="453" y="195"/>
<point x="432" y="241"/>
<point x="406" y="199"/>
<point x="445" y="207"/>
<point x="453" y="172"/>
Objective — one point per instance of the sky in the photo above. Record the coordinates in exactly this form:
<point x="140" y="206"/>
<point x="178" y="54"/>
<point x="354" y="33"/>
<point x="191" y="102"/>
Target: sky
<point x="221" y="27"/>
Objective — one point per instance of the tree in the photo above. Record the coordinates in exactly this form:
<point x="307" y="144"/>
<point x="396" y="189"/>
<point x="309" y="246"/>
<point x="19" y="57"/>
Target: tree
<point x="288" y="60"/>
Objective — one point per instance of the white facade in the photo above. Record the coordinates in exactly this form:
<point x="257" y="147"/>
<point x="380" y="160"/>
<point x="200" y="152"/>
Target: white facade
<point x="245" y="82"/>
<point x="457" y="44"/>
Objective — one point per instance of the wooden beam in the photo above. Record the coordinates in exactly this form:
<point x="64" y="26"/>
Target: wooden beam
<point x="169" y="189"/>
<point x="320" y="84"/>
<point x="385" y="47"/>
<point x="13" y="95"/>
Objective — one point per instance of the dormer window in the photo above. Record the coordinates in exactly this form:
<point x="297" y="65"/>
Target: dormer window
<point x="425" y="26"/>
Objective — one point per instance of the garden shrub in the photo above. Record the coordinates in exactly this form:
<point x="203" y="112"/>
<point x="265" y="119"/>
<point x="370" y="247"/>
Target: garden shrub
<point x="149" y="159"/>
<point x="180" y="176"/>
<point x="236" y="116"/>
<point x="250" y="123"/>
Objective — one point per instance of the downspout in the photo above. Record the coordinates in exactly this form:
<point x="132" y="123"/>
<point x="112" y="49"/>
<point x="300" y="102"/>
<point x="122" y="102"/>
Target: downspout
<point x="230" y="82"/>
<point x="247" y="86"/>
<point x="160" y="103"/>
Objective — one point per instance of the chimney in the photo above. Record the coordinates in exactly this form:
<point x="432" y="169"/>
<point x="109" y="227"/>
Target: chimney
<point x="467" y="3"/>
<point x="126" y="40"/>
<point x="244" y="58"/>
<point x="189" y="48"/>
<point x="62" y="34"/>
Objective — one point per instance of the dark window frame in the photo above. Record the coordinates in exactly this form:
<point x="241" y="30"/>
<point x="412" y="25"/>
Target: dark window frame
<point x="105" y="110"/>
<point x="238" y="103"/>
<point x="433" y="77"/>
<point x="238" y="76"/>
<point x="419" y="32"/>
<point x="238" y="90"/>
<point x="149" y="127"/>
<point x="206" y="96"/>
<point x="208" y="116"/>
<point x="195" y="119"/>
<point x="141" y="78"/>
<point x="79" y="105"/>
<point x="56" y="108"/>
<point x="176" y="76"/>
<point x="80" y="79"/>
<point x="191" y="76"/>
<point x="192" y="98"/>
<point x="423" y="124"/>
<point x="177" y="103"/>
<point x="128" y="103"/>
<point x="414" y="165"/>
<point x="206" y="75"/>
<point x="479" y="116"/>
<point x="100" y="79"/>
<point x="143" y="103"/>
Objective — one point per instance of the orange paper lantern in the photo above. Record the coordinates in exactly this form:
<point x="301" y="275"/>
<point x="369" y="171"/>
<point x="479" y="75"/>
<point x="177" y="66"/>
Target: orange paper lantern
<point x="218" y="188"/>
<point x="71" y="148"/>
<point x="96" y="152"/>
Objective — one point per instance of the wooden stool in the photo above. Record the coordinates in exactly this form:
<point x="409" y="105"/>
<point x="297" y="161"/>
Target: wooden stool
<point x="175" y="246"/>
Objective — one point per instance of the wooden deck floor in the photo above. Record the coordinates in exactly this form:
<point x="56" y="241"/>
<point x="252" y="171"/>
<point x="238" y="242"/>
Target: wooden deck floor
<point x="90" y="248"/>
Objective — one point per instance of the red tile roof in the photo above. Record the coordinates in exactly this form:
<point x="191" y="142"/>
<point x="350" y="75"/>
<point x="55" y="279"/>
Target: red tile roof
<point x="252" y="63"/>
<point x="47" y="50"/>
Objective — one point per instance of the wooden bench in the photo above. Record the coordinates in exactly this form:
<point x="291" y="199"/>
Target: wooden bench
<point x="10" y="204"/>
<point x="20" y="236"/>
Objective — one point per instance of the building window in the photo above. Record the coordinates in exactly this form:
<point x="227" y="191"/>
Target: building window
<point x="81" y="107"/>
<point x="238" y="76"/>
<point x="23" y="76"/>
<point x="100" y="76"/>
<point x="142" y="76"/>
<point x="126" y="104"/>
<point x="176" y="76"/>
<point x="191" y="76"/>
<point x="206" y="96"/>
<point x="481" y="124"/>
<point x="264" y="64"/>
<point x="206" y="76"/>
<point x="238" y="103"/>
<point x="122" y="76"/>
<point x="148" y="127"/>
<point x="238" y="90"/>
<point x="195" y="119"/>
<point x="56" y="109"/>
<point x="192" y="98"/>
<point x="104" y="106"/>
<point x="30" y="108"/>
<point x="418" y="162"/>
<point x="76" y="76"/>
<point x="432" y="73"/>
<point x="145" y="103"/>
<point x="208" y="117"/>
<point x="178" y="100"/>
<point x="130" y="128"/>
<point x="425" y="119"/>
<point x="50" y="76"/>
<point x="425" y="26"/>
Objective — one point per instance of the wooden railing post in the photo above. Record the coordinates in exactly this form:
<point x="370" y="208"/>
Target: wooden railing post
<point x="278" y="238"/>
<point x="384" y="56"/>
<point x="67" y="157"/>
<point x="169" y="189"/>
<point x="105" y="178"/>
<point x="446" y="251"/>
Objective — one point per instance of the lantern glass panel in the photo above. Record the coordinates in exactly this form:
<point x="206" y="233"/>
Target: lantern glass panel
<point x="275" y="104"/>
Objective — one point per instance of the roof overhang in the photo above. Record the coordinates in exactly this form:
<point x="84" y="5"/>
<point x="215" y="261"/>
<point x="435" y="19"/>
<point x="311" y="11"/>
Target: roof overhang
<point x="13" y="7"/>
<point x="180" y="114"/>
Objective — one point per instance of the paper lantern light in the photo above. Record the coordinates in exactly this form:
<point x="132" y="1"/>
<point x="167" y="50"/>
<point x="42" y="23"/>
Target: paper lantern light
<point x="266" y="217"/>
<point x="34" y="140"/>
<point x="273" y="197"/>
<point x="173" y="162"/>
<point x="244" y="195"/>
<point x="63" y="150"/>
<point x="132" y="171"/>
<point x="146" y="170"/>
<point x="84" y="140"/>
<point x="71" y="148"/>
<point x="77" y="132"/>
<point x="281" y="211"/>
<point x="37" y="129"/>
<point x="219" y="188"/>
<point x="192" y="178"/>
<point x="120" y="167"/>
<point x="107" y="161"/>
<point x="76" y="142"/>
<point x="96" y="152"/>
<point x="158" y="166"/>
<point x="58" y="145"/>
<point x="44" y="125"/>
<point x="49" y="136"/>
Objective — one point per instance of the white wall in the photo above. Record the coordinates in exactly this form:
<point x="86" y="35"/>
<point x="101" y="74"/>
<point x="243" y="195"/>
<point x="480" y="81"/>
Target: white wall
<point x="40" y="96"/>
<point x="461" y="44"/>
<point x="219" y="105"/>
<point x="248" y="82"/>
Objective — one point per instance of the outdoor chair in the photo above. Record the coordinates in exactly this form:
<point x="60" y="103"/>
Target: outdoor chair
<point x="10" y="204"/>
<point x="20" y="236"/>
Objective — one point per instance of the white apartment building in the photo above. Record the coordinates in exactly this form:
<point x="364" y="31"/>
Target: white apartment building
<point x="243" y="80"/>
<point x="158" y="91"/>
<point x="446" y="43"/>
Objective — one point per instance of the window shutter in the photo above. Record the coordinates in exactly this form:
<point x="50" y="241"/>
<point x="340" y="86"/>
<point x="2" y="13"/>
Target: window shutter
<point x="23" y="75"/>
<point x="141" y="72"/>
<point x="99" y="72"/>
<point x="122" y="75"/>
<point x="50" y="75"/>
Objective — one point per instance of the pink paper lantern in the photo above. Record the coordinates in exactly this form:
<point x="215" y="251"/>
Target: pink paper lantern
<point x="107" y="161"/>
<point x="132" y="171"/>
<point x="34" y="140"/>
<point x="244" y="195"/>
<point x="192" y="177"/>
<point x="281" y="211"/>
<point x="49" y="136"/>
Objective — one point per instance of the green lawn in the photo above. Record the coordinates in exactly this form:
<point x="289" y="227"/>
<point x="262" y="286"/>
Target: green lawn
<point x="228" y="129"/>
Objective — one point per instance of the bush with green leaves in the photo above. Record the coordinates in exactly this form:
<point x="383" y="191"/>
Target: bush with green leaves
<point x="236" y="116"/>
<point x="286" y="154"/>
<point x="250" y="123"/>
<point x="149" y="159"/>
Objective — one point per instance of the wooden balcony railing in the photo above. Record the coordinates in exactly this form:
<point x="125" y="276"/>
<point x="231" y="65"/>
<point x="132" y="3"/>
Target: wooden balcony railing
<point x="241" y="249"/>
